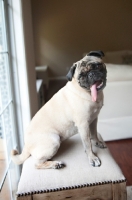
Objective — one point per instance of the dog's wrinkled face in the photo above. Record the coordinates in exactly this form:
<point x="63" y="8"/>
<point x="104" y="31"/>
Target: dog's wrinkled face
<point x="90" y="73"/>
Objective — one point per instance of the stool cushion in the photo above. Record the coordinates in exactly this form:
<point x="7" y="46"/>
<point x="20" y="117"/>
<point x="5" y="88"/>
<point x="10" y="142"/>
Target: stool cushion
<point x="77" y="173"/>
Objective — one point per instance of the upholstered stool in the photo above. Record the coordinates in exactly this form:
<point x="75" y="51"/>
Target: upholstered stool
<point x="78" y="180"/>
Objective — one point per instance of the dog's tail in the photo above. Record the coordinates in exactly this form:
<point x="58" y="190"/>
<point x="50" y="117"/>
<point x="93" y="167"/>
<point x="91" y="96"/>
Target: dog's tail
<point x="19" y="158"/>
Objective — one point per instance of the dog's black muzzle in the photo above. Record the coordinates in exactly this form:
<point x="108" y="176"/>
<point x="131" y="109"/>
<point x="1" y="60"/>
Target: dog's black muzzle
<point x="96" y="76"/>
<point x="86" y="80"/>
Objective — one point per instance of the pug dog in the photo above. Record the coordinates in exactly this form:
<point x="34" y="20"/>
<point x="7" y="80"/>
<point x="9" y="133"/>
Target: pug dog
<point x="73" y="109"/>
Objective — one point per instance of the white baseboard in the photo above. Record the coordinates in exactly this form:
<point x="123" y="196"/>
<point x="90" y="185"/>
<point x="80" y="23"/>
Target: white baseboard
<point x="115" y="128"/>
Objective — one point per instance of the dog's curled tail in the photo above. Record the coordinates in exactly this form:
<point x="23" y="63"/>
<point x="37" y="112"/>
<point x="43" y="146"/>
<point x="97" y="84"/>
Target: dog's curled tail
<point x="19" y="158"/>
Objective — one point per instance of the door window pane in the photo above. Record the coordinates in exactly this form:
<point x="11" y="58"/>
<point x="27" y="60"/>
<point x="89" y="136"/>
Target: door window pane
<point x="8" y="129"/>
<point x="5" y="95"/>
<point x="6" y="143"/>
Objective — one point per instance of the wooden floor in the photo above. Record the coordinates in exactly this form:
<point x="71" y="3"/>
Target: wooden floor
<point x="5" y="193"/>
<point x="3" y="158"/>
<point x="122" y="153"/>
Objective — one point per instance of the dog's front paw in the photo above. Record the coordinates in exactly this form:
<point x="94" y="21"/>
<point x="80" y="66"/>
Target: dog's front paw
<point x="94" y="161"/>
<point x="100" y="144"/>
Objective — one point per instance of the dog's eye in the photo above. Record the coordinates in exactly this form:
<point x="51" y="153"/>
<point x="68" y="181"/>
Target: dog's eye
<point x="95" y="66"/>
<point x="83" y="64"/>
<point x="98" y="66"/>
<point x="92" y="66"/>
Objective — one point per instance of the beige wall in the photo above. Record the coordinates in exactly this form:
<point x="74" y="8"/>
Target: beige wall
<point x="65" y="29"/>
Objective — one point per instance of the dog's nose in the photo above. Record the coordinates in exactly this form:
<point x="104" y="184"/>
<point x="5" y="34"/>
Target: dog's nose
<point x="91" y="74"/>
<point x="94" y="75"/>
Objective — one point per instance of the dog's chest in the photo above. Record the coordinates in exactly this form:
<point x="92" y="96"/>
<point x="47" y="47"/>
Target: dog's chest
<point x="94" y="110"/>
<point x="70" y="130"/>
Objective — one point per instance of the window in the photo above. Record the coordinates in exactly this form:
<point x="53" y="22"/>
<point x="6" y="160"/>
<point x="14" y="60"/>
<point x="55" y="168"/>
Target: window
<point x="8" y="171"/>
<point x="18" y="96"/>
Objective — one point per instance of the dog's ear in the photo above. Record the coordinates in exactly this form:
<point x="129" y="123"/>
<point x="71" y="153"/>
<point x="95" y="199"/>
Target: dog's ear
<point x="71" y="73"/>
<point x="99" y="54"/>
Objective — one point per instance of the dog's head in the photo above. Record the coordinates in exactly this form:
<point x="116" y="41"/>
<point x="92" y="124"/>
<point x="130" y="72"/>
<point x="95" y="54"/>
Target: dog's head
<point x="90" y="72"/>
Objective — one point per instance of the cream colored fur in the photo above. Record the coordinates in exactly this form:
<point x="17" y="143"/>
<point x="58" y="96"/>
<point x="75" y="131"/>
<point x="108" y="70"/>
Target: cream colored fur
<point x="68" y="112"/>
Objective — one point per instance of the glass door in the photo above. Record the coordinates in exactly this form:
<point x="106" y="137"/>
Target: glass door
<point x="8" y="171"/>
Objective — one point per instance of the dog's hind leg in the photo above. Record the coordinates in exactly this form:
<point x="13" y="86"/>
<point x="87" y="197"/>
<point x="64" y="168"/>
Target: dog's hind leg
<point x="44" y="161"/>
<point x="46" y="149"/>
<point x="41" y="164"/>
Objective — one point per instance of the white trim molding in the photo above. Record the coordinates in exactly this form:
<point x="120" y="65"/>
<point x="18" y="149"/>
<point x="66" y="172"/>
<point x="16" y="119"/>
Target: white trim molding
<point x="23" y="64"/>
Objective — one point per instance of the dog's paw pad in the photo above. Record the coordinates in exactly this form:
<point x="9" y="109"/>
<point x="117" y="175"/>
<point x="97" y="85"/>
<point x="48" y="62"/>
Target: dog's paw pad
<point x="59" y="165"/>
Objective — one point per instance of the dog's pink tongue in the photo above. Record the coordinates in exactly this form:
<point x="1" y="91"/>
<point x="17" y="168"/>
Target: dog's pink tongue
<point x="94" y="92"/>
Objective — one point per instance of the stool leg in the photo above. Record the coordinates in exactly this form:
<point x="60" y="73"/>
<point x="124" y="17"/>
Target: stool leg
<point x="119" y="191"/>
